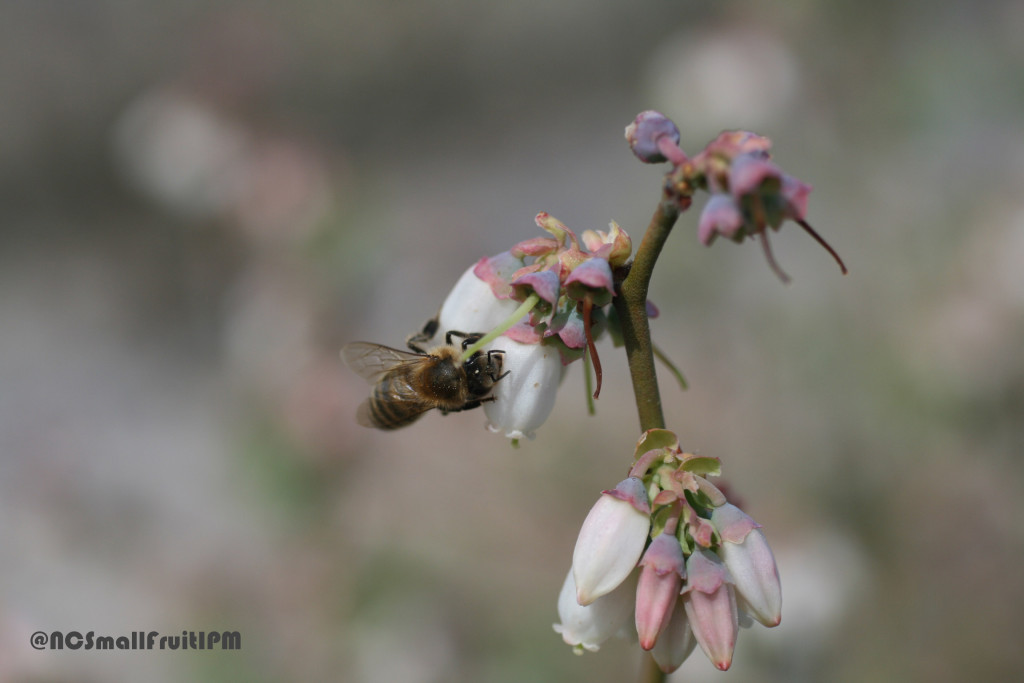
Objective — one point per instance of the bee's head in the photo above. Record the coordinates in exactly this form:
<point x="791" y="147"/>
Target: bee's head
<point x="483" y="369"/>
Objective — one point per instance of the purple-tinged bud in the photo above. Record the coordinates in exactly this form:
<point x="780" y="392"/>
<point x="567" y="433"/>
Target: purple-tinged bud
<point x="497" y="271"/>
<point x="731" y="143"/>
<point x="676" y="641"/>
<point x="749" y="172"/>
<point x="710" y="603"/>
<point x="525" y="398"/>
<point x="747" y="555"/>
<point x="644" y="134"/>
<point x="721" y="216"/>
<point x="572" y="332"/>
<point x="471" y="306"/>
<point x="543" y="283"/>
<point x="593" y="277"/>
<point x="611" y="540"/>
<point x="661" y="576"/>
<point x="794" y="192"/>
<point x="587" y="626"/>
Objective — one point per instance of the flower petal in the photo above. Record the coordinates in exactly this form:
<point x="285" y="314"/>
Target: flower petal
<point x="611" y="541"/>
<point x="525" y="398"/>
<point x="588" y="626"/>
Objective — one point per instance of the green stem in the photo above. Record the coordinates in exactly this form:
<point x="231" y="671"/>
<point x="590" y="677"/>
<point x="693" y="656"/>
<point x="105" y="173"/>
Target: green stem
<point x="523" y="309"/>
<point x="588" y="383"/>
<point x="631" y="307"/>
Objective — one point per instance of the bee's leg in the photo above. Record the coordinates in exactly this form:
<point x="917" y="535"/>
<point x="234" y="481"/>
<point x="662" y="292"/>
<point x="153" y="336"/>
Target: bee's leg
<point x="469" y="405"/>
<point x="416" y="341"/>
<point x="490" y="361"/>
<point x="467" y="339"/>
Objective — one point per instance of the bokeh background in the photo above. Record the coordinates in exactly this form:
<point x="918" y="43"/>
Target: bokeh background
<point x="200" y="202"/>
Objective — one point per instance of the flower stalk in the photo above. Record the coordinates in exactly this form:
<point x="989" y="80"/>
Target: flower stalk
<point x="631" y="307"/>
<point x="501" y="329"/>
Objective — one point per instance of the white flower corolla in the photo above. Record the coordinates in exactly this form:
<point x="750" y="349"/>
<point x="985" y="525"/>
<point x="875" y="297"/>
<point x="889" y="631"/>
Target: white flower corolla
<point x="587" y="626"/>
<point x="525" y="398"/>
<point x="471" y="307"/>
<point x="611" y="540"/>
<point x="747" y="555"/>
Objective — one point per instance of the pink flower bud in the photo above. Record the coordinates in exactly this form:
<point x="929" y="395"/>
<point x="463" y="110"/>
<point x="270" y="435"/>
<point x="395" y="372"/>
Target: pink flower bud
<point x="748" y="557"/>
<point x="524" y="399"/>
<point x="498" y="270"/>
<point x="661" y="576"/>
<point x="543" y="283"/>
<point x="795" y="192"/>
<point x="721" y="216"/>
<point x="594" y="277"/>
<point x="710" y="603"/>
<point x="676" y="641"/>
<point x="611" y="540"/>
<point x="587" y="626"/>
<point x="749" y="172"/>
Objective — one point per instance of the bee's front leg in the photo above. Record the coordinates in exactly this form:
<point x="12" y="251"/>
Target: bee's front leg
<point x="467" y="338"/>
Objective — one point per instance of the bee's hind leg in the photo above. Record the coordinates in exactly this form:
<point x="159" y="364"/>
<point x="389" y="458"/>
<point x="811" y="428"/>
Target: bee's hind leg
<point x="469" y="405"/>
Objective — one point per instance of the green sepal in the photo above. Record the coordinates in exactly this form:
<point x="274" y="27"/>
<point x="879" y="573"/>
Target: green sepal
<point x="654" y="439"/>
<point x="702" y="465"/>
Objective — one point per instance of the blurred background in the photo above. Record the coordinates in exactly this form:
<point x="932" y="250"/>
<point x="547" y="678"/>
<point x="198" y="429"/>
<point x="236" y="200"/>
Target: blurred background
<point x="200" y="202"/>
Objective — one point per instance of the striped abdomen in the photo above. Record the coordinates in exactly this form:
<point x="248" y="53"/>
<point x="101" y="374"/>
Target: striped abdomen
<point x="393" y="403"/>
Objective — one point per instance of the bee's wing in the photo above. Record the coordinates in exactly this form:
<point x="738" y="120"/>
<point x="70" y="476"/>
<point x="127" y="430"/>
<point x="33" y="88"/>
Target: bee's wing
<point x="411" y="413"/>
<point x="371" y="361"/>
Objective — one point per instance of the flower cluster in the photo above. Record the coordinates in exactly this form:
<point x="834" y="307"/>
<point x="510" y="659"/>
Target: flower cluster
<point x="569" y="283"/>
<point x="749" y="192"/>
<point x="666" y="547"/>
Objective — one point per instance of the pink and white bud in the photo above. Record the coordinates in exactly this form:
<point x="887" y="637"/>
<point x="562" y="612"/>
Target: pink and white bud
<point x="587" y="626"/>
<point x="472" y="307"/>
<point x="525" y="398"/>
<point x="676" y="641"/>
<point x="661" y="576"/>
<point x="710" y="603"/>
<point x="747" y="555"/>
<point x="611" y="540"/>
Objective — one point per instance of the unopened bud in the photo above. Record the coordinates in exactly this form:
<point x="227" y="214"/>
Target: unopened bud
<point x="644" y="133"/>
<point x="611" y="540"/>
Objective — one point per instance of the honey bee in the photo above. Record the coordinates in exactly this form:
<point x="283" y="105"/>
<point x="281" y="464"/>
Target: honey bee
<point x="406" y="385"/>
